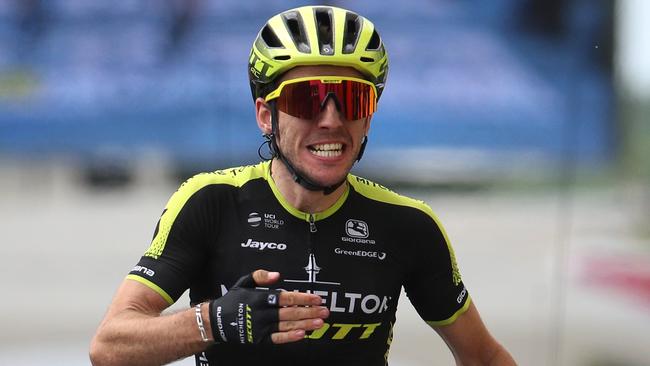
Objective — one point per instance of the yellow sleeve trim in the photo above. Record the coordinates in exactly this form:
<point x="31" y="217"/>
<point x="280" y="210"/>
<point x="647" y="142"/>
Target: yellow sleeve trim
<point x="152" y="286"/>
<point x="235" y="177"/>
<point x="452" y="318"/>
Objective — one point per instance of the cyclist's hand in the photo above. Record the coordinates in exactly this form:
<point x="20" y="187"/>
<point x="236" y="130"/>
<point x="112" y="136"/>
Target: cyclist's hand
<point x="299" y="311"/>
<point x="248" y="315"/>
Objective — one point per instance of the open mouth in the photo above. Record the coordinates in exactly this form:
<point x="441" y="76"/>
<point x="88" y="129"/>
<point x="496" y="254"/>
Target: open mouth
<point x="326" y="150"/>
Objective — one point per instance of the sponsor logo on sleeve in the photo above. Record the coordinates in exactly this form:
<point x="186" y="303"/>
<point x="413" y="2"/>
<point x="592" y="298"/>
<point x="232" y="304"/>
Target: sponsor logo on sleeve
<point x="144" y="270"/>
<point x="461" y="296"/>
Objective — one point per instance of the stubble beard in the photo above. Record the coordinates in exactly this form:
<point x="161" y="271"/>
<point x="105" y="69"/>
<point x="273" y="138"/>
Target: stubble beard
<point x="303" y="171"/>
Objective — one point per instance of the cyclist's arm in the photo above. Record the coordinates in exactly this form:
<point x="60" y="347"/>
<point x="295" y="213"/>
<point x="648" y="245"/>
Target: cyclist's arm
<point x="471" y="343"/>
<point x="134" y="333"/>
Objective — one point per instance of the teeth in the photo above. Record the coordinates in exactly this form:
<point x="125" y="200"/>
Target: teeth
<point x="327" y="147"/>
<point x="327" y="150"/>
<point x="327" y="154"/>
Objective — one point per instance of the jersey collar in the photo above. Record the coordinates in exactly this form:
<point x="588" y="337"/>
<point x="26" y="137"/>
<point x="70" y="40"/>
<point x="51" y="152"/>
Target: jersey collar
<point x="296" y="212"/>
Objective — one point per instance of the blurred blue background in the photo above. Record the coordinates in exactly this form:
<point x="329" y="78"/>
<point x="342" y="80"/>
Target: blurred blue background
<point x="104" y="80"/>
<point x="522" y="123"/>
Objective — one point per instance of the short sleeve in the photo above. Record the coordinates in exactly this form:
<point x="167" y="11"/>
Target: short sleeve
<point x="179" y="246"/>
<point x="434" y="285"/>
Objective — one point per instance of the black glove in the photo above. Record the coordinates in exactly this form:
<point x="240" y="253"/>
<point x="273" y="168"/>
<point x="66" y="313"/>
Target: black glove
<point x="245" y="314"/>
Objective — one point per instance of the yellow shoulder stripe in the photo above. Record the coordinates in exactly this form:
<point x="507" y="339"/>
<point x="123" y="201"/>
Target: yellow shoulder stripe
<point x="380" y="193"/>
<point x="235" y="177"/>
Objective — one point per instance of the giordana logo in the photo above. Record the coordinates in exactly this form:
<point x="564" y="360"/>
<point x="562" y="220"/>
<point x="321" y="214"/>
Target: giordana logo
<point x="357" y="228"/>
<point x="357" y="232"/>
<point x="361" y="253"/>
<point x="143" y="270"/>
<point x="461" y="296"/>
<point x="262" y="245"/>
<point x="254" y="219"/>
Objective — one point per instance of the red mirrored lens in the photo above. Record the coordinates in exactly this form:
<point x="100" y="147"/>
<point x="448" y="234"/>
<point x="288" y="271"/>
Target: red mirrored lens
<point x="305" y="99"/>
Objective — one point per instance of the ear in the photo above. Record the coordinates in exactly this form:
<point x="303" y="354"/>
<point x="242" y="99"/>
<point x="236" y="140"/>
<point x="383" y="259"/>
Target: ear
<point x="263" y="116"/>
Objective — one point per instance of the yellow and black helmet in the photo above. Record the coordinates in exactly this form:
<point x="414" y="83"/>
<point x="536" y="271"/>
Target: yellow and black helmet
<point x="316" y="35"/>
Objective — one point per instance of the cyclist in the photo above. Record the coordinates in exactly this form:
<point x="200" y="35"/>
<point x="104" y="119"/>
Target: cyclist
<point x="294" y="260"/>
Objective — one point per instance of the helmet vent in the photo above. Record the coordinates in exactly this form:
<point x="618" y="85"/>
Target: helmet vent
<point x="367" y="59"/>
<point x="296" y="28"/>
<point x="282" y="57"/>
<point x="375" y="42"/>
<point x="351" y="32"/>
<point x="324" y="30"/>
<point x="269" y="37"/>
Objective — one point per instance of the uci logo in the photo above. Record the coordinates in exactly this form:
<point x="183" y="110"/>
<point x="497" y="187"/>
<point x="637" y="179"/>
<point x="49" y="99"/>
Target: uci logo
<point x="356" y="228"/>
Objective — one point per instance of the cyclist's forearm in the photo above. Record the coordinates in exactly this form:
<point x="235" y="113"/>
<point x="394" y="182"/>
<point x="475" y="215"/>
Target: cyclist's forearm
<point x="134" y="338"/>
<point x="501" y="357"/>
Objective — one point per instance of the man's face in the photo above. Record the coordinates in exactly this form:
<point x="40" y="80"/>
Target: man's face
<point x="323" y="148"/>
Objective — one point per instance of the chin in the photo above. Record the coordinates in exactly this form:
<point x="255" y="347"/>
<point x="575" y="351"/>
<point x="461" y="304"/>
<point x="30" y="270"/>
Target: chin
<point x="328" y="179"/>
<point x="326" y="174"/>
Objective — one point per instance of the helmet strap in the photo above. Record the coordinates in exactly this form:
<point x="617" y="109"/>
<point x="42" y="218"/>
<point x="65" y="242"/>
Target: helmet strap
<point x="363" y="147"/>
<point x="296" y="175"/>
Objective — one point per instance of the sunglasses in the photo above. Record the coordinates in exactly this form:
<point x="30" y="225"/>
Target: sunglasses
<point x="305" y="97"/>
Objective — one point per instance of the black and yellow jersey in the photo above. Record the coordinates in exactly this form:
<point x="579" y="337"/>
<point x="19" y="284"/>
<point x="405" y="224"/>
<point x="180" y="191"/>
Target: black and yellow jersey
<point x="357" y="255"/>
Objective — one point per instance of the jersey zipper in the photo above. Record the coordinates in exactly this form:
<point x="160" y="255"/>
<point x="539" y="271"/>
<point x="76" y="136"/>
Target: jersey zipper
<point x="310" y="245"/>
<point x="312" y="232"/>
<point x="310" y="241"/>
<point x="312" y="224"/>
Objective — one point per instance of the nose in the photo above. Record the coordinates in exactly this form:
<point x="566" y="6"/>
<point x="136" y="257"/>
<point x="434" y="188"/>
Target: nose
<point x="330" y="116"/>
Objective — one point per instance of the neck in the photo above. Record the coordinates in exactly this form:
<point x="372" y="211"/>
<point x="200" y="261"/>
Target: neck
<point x="300" y="197"/>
